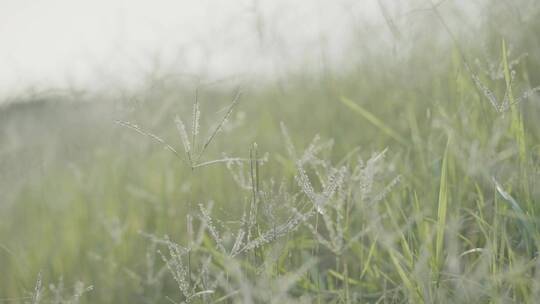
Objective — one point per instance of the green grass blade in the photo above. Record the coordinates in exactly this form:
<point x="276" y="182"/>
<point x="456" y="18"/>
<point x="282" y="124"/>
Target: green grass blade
<point x="405" y="277"/>
<point x="517" y="120"/>
<point x="442" y="210"/>
<point x="526" y="226"/>
<point x="373" y="120"/>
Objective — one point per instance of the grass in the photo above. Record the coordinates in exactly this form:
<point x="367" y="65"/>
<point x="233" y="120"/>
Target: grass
<point x="373" y="120"/>
<point x="442" y="210"/>
<point x="366" y="185"/>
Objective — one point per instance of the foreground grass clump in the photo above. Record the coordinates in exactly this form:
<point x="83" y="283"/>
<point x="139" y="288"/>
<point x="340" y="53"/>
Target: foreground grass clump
<point x="367" y="186"/>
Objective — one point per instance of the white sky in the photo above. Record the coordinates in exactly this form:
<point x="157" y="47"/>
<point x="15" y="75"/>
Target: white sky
<point x="87" y="43"/>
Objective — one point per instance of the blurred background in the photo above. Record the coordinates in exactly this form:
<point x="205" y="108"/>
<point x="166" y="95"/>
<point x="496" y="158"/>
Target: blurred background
<point x="82" y="44"/>
<point x="104" y="44"/>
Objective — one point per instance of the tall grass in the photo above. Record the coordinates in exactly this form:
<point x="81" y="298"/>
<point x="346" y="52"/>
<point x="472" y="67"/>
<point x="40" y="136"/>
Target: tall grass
<point x="365" y="186"/>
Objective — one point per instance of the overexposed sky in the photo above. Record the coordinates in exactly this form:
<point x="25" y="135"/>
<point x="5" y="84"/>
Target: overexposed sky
<point x="46" y="43"/>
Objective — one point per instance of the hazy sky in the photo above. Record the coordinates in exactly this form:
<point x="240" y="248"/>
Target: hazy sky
<point x="85" y="43"/>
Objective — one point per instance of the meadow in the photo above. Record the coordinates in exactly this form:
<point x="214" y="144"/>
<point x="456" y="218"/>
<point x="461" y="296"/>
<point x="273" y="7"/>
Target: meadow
<point x="410" y="176"/>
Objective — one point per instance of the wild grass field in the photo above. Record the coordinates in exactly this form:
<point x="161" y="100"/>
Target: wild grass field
<point x="411" y="176"/>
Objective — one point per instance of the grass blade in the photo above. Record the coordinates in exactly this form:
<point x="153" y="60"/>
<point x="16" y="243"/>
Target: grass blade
<point x="373" y="120"/>
<point x="442" y="209"/>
